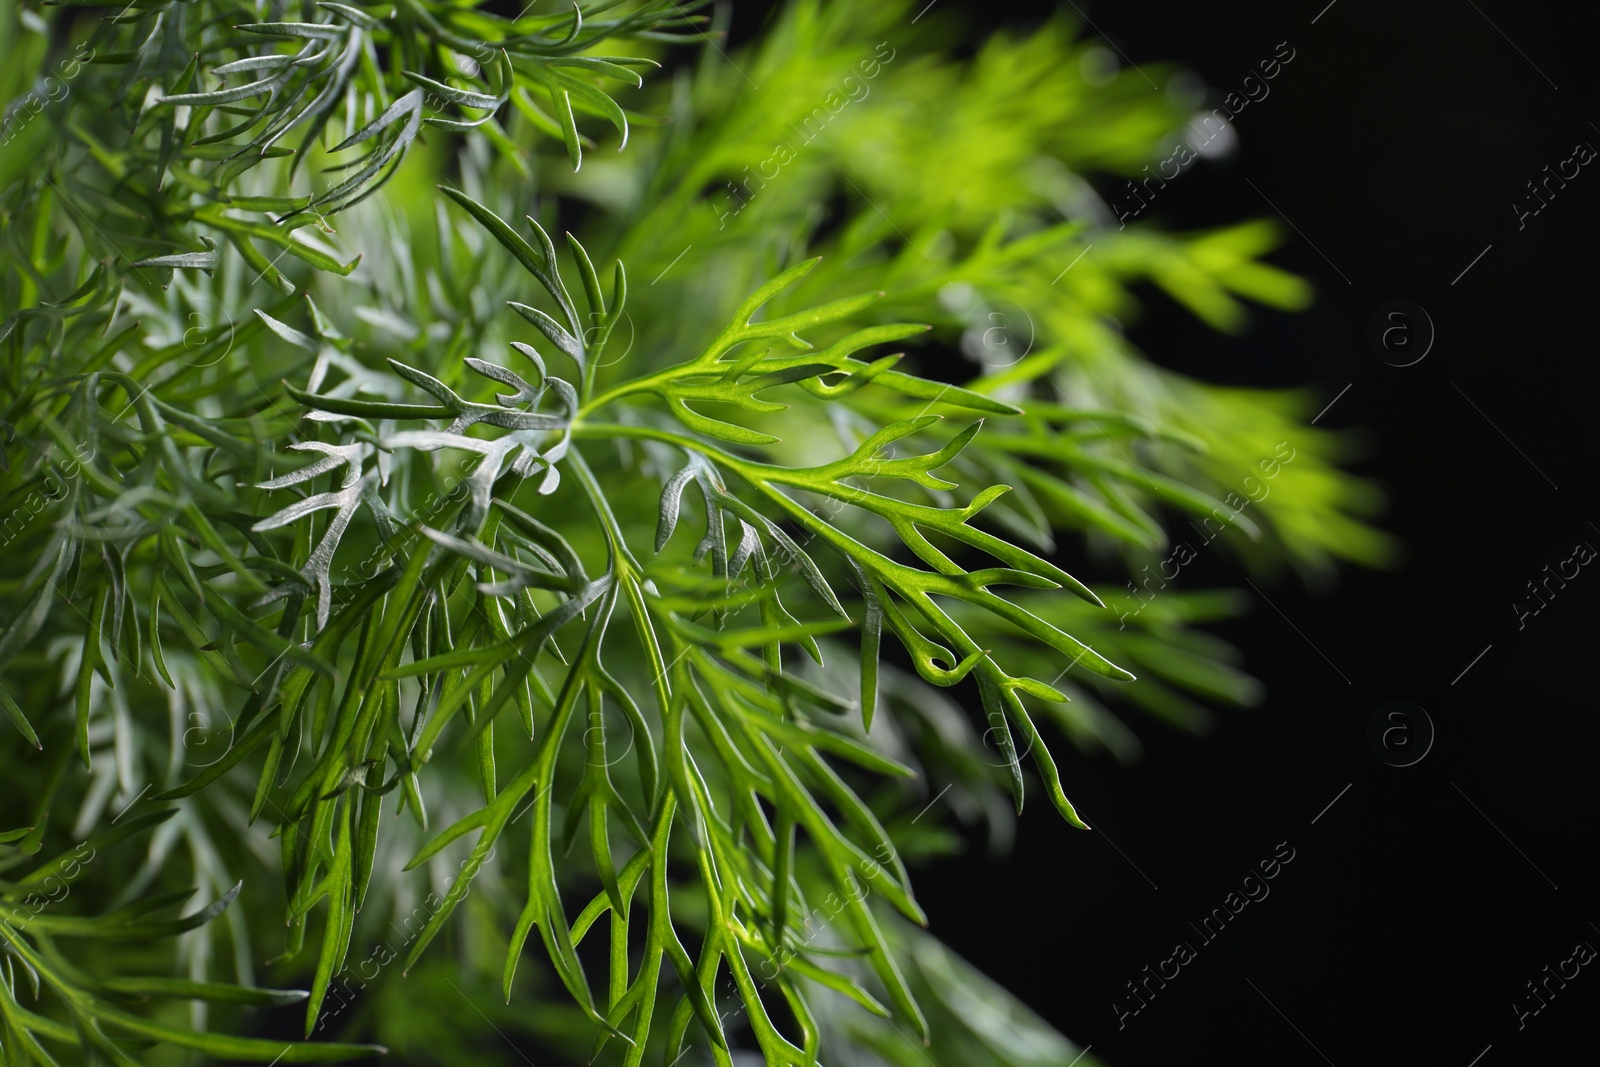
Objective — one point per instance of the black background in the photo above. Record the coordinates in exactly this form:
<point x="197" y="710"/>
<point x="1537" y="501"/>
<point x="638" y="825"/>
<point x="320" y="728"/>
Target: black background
<point x="1417" y="906"/>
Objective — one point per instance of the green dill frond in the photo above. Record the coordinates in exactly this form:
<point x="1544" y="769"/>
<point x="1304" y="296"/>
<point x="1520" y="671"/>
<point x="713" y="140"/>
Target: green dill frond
<point x="574" y="623"/>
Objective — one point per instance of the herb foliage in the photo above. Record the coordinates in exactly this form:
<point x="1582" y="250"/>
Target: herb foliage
<point x="356" y="525"/>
